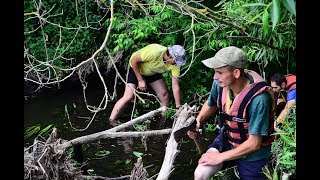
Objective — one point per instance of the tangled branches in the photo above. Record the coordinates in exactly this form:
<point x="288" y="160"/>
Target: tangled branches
<point x="42" y="161"/>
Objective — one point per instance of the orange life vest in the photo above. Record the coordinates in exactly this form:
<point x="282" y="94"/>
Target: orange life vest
<point x="291" y="82"/>
<point x="233" y="114"/>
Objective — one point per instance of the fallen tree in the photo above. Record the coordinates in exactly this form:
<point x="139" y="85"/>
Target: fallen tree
<point x="49" y="160"/>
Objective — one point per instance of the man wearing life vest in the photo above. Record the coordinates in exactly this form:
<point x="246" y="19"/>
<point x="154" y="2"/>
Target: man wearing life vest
<point x="287" y="83"/>
<point x="246" y="106"/>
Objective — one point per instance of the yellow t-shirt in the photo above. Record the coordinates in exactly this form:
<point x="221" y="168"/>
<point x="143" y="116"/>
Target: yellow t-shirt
<point x="152" y="61"/>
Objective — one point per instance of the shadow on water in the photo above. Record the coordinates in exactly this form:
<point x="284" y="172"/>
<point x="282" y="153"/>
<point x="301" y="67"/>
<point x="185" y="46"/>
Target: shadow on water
<point x="50" y="109"/>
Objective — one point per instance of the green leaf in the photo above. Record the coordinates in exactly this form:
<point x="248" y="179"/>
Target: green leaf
<point x="254" y="4"/>
<point x="287" y="139"/>
<point x="287" y="162"/>
<point x="254" y="18"/>
<point x="275" y="175"/>
<point x="45" y="130"/>
<point x="275" y="13"/>
<point x="31" y="131"/>
<point x="288" y="155"/>
<point x="280" y="41"/>
<point x="138" y="154"/>
<point x="265" y="18"/>
<point x="290" y="5"/>
<point x="102" y="153"/>
<point x="127" y="161"/>
<point x="221" y="2"/>
<point x="266" y="172"/>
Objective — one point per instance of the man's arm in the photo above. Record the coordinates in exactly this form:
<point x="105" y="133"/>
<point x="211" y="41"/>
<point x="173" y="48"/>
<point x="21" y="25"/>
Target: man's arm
<point x="291" y="100"/>
<point x="141" y="82"/>
<point x="284" y="112"/>
<point x="252" y="144"/>
<point x="205" y="112"/>
<point x="176" y="91"/>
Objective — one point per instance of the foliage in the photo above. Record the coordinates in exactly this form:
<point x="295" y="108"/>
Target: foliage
<point x="60" y="35"/>
<point x="142" y="126"/>
<point x="102" y="153"/>
<point x="278" y="31"/>
<point x="202" y="31"/>
<point x="230" y="173"/>
<point x="284" y="149"/>
<point x="56" y="37"/>
<point x="137" y="154"/>
<point x="36" y="130"/>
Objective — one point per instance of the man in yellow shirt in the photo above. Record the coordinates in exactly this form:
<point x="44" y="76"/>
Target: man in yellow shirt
<point x="147" y="66"/>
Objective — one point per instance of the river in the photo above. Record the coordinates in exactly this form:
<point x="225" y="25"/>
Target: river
<point x="49" y="109"/>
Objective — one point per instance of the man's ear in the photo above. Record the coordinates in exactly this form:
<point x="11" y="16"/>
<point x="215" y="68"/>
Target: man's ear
<point x="236" y="73"/>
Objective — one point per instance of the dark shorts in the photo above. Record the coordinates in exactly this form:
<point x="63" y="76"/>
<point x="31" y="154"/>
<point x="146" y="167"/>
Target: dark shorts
<point x="132" y="78"/>
<point x="252" y="170"/>
<point x="220" y="144"/>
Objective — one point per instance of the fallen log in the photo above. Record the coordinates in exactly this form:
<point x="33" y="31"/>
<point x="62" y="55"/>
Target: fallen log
<point x="172" y="146"/>
<point x="110" y="132"/>
<point x="49" y="160"/>
<point x="104" y="135"/>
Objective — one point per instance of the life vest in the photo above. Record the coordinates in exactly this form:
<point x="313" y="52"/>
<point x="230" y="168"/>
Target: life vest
<point x="233" y="114"/>
<point x="291" y="82"/>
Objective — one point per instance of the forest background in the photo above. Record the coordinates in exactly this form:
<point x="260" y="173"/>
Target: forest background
<point x="83" y="39"/>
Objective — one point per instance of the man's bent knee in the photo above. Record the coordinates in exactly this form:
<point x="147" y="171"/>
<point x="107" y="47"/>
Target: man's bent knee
<point x="205" y="172"/>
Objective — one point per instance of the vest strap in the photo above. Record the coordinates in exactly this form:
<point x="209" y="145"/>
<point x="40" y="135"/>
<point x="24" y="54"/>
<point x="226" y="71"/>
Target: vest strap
<point x="290" y="85"/>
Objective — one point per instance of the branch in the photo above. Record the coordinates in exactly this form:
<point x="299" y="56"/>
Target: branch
<point x="109" y="133"/>
<point x="172" y="146"/>
<point x="214" y="18"/>
<point x="84" y="177"/>
<point x="259" y="41"/>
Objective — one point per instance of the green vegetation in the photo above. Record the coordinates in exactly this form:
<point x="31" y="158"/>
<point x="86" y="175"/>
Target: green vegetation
<point x="60" y="36"/>
<point x="284" y="149"/>
<point x="36" y="131"/>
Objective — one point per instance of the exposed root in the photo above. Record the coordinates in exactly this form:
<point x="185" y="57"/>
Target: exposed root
<point x="138" y="171"/>
<point x="42" y="161"/>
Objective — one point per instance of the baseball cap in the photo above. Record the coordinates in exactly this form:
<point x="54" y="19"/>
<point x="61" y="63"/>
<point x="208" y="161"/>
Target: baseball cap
<point x="178" y="54"/>
<point x="230" y="55"/>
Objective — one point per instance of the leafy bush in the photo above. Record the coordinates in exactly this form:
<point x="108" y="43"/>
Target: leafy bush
<point x="284" y="149"/>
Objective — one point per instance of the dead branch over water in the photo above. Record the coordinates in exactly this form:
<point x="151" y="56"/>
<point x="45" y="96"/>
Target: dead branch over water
<point x="49" y="160"/>
<point x="172" y="146"/>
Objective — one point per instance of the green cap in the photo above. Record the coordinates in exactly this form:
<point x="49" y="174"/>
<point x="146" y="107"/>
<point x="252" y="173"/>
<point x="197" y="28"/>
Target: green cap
<point x="231" y="56"/>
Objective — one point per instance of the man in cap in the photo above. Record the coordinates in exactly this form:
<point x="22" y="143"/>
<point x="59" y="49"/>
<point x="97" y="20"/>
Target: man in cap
<point x="246" y="108"/>
<point x="146" y="67"/>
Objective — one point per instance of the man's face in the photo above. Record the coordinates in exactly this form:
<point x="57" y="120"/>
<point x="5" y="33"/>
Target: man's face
<point x="276" y="88"/>
<point x="224" y="76"/>
<point x="168" y="58"/>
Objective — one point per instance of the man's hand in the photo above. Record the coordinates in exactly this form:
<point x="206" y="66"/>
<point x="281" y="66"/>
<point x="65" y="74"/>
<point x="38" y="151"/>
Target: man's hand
<point x="193" y="134"/>
<point x="277" y="125"/>
<point x="198" y="126"/>
<point x="211" y="158"/>
<point x="142" y="85"/>
<point x="280" y="100"/>
<point x="178" y="108"/>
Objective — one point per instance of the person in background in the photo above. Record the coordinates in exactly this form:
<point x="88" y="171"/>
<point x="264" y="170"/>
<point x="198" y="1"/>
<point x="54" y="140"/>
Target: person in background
<point x="284" y="83"/>
<point x="246" y="106"/>
<point x="146" y="67"/>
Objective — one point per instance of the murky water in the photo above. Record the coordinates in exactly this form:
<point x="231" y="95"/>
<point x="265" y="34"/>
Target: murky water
<point x="50" y="109"/>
